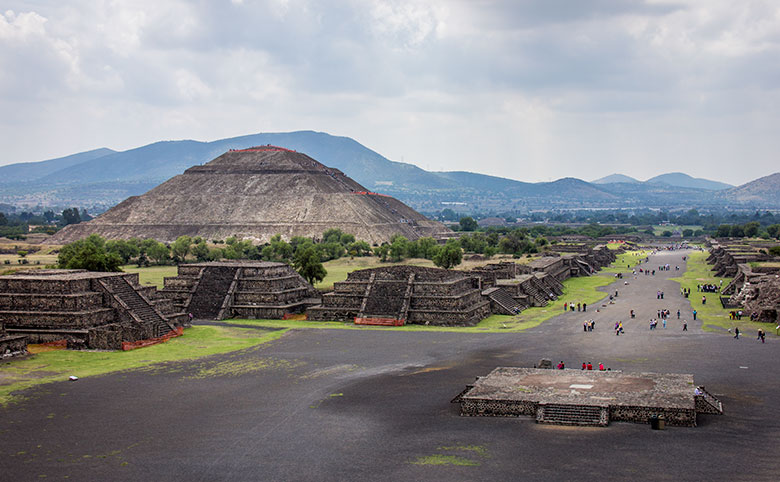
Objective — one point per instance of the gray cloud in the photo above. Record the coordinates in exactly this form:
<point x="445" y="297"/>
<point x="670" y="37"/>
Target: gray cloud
<point x="540" y="89"/>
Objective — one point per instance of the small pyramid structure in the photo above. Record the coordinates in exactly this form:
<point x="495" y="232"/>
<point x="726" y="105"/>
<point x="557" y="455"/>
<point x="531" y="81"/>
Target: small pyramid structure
<point x="254" y="194"/>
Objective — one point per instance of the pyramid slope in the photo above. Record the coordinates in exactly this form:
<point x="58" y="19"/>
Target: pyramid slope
<point x="256" y="193"/>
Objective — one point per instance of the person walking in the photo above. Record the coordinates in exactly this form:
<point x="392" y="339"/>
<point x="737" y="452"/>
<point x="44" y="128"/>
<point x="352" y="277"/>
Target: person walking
<point x="736" y="332"/>
<point x="685" y="325"/>
<point x="664" y="323"/>
<point x="584" y="307"/>
<point x="678" y="314"/>
<point x="694" y="315"/>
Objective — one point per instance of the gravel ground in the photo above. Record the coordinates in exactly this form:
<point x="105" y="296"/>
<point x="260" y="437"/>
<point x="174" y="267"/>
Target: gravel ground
<point x="370" y="405"/>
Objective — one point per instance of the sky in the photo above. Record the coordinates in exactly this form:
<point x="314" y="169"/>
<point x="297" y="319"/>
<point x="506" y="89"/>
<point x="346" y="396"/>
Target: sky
<point x="531" y="90"/>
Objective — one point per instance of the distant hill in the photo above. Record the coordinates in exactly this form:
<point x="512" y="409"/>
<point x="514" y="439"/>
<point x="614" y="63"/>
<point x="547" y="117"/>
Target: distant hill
<point x="763" y="190"/>
<point x="31" y="171"/>
<point x="680" y="179"/>
<point x="102" y="178"/>
<point x="613" y="178"/>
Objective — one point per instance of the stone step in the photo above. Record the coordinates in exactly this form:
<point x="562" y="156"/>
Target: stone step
<point x="572" y="415"/>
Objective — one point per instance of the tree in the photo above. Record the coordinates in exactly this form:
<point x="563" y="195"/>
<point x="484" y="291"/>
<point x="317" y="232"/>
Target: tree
<point x="687" y="232"/>
<point x="181" y="248"/>
<point x="399" y="246"/>
<point x="773" y="230"/>
<point x="90" y="254"/>
<point x="468" y="224"/>
<point x="3" y="219"/>
<point x="449" y="255"/>
<point x="332" y="235"/>
<point x="200" y="251"/>
<point x="307" y="263"/>
<point x="71" y="216"/>
<point x="156" y="251"/>
<point x="751" y="229"/>
<point x="359" y="248"/>
<point x="124" y="249"/>
<point x="723" y="231"/>
<point x="737" y="231"/>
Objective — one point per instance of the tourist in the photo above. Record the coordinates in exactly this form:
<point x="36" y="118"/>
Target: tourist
<point x="761" y="335"/>
<point x="736" y="332"/>
<point x="560" y="365"/>
<point x="601" y="367"/>
<point x="585" y="326"/>
<point x="685" y="325"/>
<point x="584" y="307"/>
<point x="584" y="366"/>
<point x="578" y="306"/>
<point x="662" y="295"/>
<point x="590" y="366"/>
<point x="190" y="316"/>
<point x="678" y="314"/>
<point x="694" y="315"/>
<point x="704" y="300"/>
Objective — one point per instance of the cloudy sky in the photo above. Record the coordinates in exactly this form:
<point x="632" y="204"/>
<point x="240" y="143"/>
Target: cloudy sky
<point x="532" y="90"/>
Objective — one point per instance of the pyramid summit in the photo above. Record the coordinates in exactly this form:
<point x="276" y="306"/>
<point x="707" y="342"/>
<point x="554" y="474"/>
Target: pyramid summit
<point x="255" y="193"/>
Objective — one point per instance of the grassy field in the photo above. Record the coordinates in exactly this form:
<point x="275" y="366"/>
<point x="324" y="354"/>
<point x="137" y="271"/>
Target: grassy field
<point x="713" y="316"/>
<point x="626" y="261"/>
<point x="46" y="255"/>
<point x="58" y="365"/>
<point x="151" y="275"/>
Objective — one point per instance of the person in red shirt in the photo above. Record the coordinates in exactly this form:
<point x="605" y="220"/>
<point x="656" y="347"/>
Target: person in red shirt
<point x="601" y="367"/>
<point x="590" y="366"/>
<point x="584" y="366"/>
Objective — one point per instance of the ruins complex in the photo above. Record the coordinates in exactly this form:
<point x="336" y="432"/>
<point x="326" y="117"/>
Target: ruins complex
<point x="755" y="287"/>
<point x="254" y="194"/>
<point x="397" y="295"/>
<point x="87" y="309"/>
<point x="241" y="289"/>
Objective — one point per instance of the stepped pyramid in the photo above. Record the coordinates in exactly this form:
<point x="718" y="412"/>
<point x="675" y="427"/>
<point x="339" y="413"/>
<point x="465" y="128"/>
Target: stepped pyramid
<point x="256" y="193"/>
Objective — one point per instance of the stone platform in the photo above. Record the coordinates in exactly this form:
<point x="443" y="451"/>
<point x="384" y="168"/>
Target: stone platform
<point x="577" y="397"/>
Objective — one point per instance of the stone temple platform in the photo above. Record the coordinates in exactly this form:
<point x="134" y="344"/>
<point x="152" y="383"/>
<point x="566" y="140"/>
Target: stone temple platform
<point x="587" y="397"/>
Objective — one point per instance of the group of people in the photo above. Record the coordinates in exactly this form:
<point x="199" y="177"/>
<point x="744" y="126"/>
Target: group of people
<point x="735" y="315"/>
<point x="685" y="292"/>
<point x="570" y="306"/>
<point x="588" y="325"/>
<point x="707" y="288"/>
<point x="589" y="366"/>
<point x="659" y="295"/>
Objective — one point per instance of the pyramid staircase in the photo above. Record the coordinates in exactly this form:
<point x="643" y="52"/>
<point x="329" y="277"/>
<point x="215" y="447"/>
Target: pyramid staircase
<point x="137" y="306"/>
<point x="582" y="415"/>
<point x="210" y="293"/>
<point x="385" y="302"/>
<point x="504" y="300"/>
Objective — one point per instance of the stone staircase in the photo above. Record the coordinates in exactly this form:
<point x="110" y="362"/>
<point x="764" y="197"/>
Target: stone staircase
<point x="504" y="300"/>
<point x="707" y="403"/>
<point x="122" y="290"/>
<point x="210" y="293"/>
<point x="385" y="299"/>
<point x="539" y="298"/>
<point x="583" y="415"/>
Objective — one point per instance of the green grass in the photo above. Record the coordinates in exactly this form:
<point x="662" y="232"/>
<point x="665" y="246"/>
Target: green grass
<point x="52" y="366"/>
<point x="658" y="230"/>
<point x="439" y="459"/>
<point x="626" y="261"/>
<point x="152" y="275"/>
<point x="712" y="315"/>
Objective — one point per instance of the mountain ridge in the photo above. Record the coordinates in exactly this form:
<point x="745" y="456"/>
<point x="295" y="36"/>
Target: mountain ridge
<point x="105" y="177"/>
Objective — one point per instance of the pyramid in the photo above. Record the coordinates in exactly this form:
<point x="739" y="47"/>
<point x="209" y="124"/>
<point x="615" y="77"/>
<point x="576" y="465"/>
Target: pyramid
<point x="254" y="194"/>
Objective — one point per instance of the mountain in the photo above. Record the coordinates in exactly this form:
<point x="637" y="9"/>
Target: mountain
<point x="255" y="194"/>
<point x="30" y="171"/>
<point x="613" y="178"/>
<point x="680" y="179"/>
<point x="102" y="178"/>
<point x="765" y="190"/>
